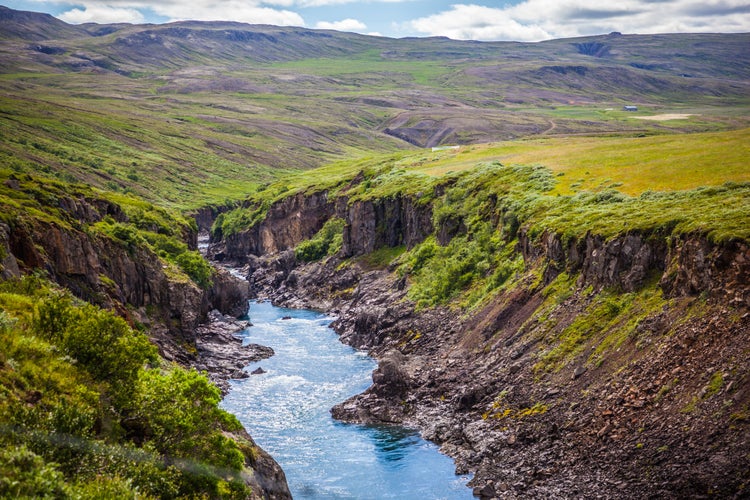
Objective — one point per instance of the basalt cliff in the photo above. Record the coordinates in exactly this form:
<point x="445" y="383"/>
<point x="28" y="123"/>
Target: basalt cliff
<point x="118" y="271"/>
<point x="610" y="366"/>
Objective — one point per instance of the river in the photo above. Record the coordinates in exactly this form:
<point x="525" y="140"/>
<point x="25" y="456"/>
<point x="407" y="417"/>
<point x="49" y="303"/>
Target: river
<point x="286" y="410"/>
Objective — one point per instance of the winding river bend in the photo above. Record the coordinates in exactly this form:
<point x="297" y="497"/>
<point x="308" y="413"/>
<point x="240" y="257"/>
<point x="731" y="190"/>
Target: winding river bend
<point x="286" y="410"/>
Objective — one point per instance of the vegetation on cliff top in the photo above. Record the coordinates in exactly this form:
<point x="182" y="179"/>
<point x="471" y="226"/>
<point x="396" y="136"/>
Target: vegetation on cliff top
<point x="27" y="199"/>
<point x="482" y="208"/>
<point x="82" y="395"/>
<point x="592" y="183"/>
<point x="487" y="207"/>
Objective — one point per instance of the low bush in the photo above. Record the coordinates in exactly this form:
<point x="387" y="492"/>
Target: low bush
<point x="327" y="241"/>
<point x="196" y="267"/>
<point x="88" y="412"/>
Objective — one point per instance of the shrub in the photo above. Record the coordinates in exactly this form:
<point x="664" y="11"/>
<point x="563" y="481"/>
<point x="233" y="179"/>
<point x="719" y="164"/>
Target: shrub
<point x="239" y="219"/>
<point x="86" y="417"/>
<point x="190" y="262"/>
<point x="100" y="342"/>
<point x="24" y="474"/>
<point x="127" y="235"/>
<point x="165" y="246"/>
<point x="196" y="267"/>
<point x="191" y="429"/>
<point x="327" y="241"/>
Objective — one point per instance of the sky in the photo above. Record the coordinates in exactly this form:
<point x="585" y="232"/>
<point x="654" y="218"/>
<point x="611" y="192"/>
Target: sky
<point x="520" y="20"/>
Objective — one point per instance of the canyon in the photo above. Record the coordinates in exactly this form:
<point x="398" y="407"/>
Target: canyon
<point x="643" y="416"/>
<point x="557" y="292"/>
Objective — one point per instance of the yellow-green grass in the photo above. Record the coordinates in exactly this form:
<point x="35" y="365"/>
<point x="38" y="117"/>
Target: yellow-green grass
<point x="632" y="165"/>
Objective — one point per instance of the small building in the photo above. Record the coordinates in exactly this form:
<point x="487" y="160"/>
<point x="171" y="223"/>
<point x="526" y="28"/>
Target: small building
<point x="630" y="108"/>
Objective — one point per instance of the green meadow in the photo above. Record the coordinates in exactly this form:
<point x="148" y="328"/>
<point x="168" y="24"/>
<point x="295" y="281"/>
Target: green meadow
<point x="631" y="165"/>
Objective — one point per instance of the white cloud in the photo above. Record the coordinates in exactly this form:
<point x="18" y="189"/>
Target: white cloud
<point x="103" y="14"/>
<point x="527" y="20"/>
<point x="343" y="25"/>
<point x="248" y="11"/>
<point x="533" y="20"/>
<point x="228" y="11"/>
<point x="475" y="22"/>
<point x="324" y="3"/>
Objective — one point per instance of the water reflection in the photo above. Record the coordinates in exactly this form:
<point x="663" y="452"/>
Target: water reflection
<point x="391" y="442"/>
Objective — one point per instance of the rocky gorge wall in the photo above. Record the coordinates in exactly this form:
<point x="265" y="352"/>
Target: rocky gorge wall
<point x="134" y="281"/>
<point x="687" y="265"/>
<point x="128" y="278"/>
<point x="627" y="381"/>
<point x="389" y="222"/>
<point x="370" y="224"/>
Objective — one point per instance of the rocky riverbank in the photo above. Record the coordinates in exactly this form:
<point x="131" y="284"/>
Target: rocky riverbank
<point x="664" y="414"/>
<point x="221" y="353"/>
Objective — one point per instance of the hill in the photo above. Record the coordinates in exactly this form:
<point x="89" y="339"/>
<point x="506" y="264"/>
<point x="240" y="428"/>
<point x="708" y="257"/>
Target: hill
<point x="224" y="107"/>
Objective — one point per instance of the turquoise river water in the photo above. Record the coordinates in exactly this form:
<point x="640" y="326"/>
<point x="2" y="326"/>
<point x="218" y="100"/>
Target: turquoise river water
<point x="286" y="410"/>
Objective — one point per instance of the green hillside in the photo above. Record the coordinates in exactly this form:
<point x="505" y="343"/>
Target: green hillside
<point x="190" y="114"/>
<point x="702" y="187"/>
<point x="83" y="408"/>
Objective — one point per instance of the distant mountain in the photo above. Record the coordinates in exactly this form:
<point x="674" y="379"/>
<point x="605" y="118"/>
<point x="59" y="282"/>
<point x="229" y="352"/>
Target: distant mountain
<point x="33" y="26"/>
<point x="143" y="47"/>
<point x="116" y="105"/>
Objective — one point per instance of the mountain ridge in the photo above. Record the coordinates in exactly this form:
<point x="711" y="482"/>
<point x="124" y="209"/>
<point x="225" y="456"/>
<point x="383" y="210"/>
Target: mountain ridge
<point x="609" y="47"/>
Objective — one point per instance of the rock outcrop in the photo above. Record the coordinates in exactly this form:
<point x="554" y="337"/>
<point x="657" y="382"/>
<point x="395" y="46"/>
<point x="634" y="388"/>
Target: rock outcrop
<point x="127" y="277"/>
<point x="221" y="353"/>
<point x="388" y="222"/>
<point x="286" y="223"/>
<point x="686" y="265"/>
<point x="8" y="263"/>
<point x="659" y="410"/>
<point x="370" y="224"/>
<point x="268" y="481"/>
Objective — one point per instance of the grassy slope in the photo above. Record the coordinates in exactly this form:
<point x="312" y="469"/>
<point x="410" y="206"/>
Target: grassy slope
<point x="603" y="184"/>
<point x="177" y="151"/>
<point x="632" y="165"/>
<point x="144" y="109"/>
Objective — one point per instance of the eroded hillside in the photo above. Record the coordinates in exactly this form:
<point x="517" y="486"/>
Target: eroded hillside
<point x="190" y="114"/>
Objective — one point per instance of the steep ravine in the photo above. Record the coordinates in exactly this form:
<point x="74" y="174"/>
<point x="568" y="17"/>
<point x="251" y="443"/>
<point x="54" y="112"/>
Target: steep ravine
<point x="614" y="367"/>
<point x="132" y="280"/>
